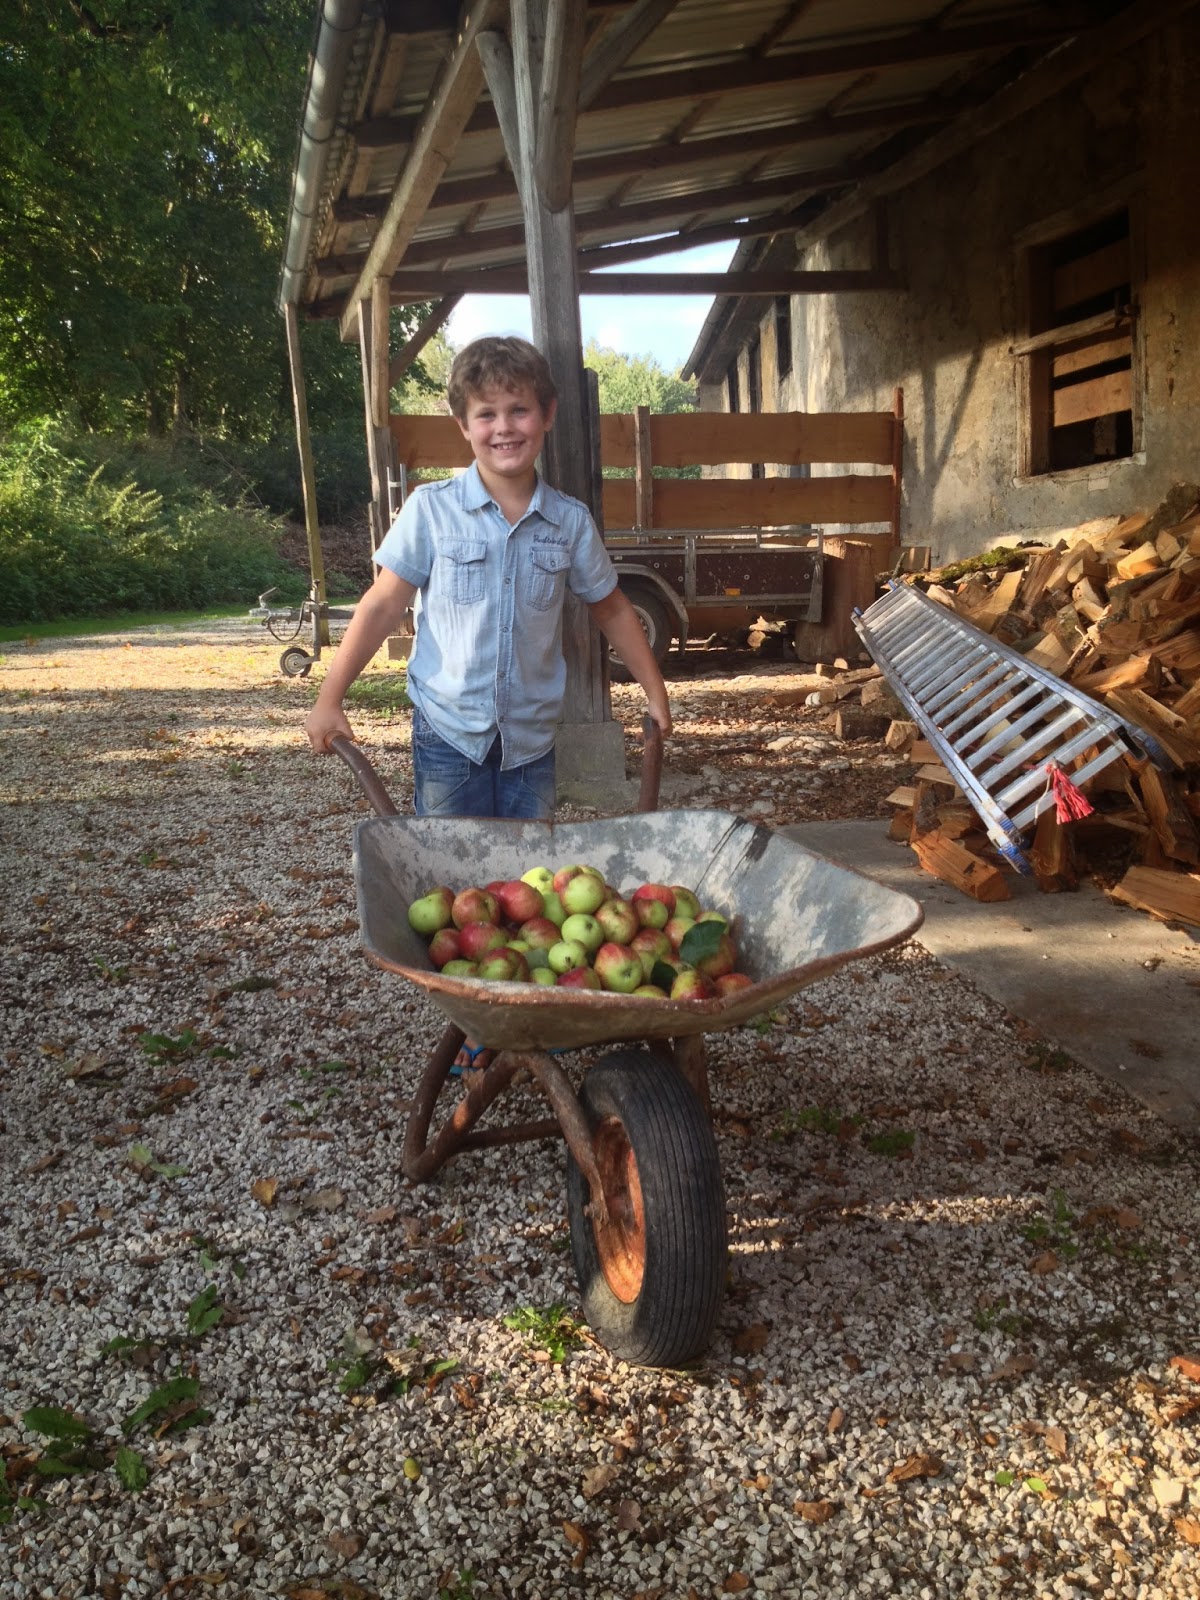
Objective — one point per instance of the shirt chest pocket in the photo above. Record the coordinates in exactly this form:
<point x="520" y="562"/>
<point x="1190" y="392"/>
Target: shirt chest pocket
<point x="548" y="566"/>
<point x="465" y="559"/>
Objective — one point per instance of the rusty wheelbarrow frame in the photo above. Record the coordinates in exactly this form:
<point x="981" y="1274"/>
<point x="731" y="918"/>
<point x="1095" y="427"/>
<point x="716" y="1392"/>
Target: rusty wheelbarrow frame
<point x="639" y="1131"/>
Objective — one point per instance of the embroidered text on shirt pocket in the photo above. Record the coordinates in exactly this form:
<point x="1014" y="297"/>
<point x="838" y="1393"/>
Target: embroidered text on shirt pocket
<point x="547" y="574"/>
<point x="466" y="558"/>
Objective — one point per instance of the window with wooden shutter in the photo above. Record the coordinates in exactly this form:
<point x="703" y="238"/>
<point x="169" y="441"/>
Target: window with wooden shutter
<point x="1082" y="405"/>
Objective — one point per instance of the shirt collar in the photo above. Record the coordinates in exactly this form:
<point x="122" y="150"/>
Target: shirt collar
<point x="475" y="494"/>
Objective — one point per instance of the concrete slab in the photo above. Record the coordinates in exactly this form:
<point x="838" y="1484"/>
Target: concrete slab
<point x="1113" y="987"/>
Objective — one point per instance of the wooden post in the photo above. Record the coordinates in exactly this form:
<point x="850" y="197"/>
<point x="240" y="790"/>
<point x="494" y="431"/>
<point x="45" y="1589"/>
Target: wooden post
<point x="308" y="476"/>
<point x="897" y="464"/>
<point x="379" y="442"/>
<point x="380" y="353"/>
<point x="643" y="471"/>
<point x="537" y="88"/>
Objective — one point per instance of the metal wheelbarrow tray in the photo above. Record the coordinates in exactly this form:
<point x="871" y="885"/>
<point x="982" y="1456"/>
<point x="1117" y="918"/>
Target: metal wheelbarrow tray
<point x="644" y="1192"/>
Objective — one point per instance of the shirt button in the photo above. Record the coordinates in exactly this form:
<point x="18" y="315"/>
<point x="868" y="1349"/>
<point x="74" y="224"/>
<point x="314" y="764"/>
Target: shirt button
<point x="508" y="580"/>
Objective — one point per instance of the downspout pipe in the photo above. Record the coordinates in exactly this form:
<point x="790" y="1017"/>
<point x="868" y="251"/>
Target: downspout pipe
<point x="336" y="28"/>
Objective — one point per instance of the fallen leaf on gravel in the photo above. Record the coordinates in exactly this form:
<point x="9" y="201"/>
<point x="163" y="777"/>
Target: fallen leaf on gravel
<point x="629" y="1516"/>
<point x="1046" y="1262"/>
<point x="814" y="1510"/>
<point x="751" y="1340"/>
<point x="915" y="1466"/>
<point x="1188" y="1529"/>
<point x="581" y="1539"/>
<point x="735" y="1583"/>
<point x="1188" y="1365"/>
<point x="1127" y="1218"/>
<point x="380" y="1214"/>
<point x="836" y="1418"/>
<point x="324" y="1200"/>
<point x="959" y="1361"/>
<point x="1015" y="1367"/>
<point x="1056" y="1440"/>
<point x="343" y="1544"/>
<point x="264" y="1190"/>
<point x="597" y="1479"/>
<point x="45" y="1163"/>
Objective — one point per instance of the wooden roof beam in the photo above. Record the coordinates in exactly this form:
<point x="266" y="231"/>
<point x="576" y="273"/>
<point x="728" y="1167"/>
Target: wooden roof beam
<point x="414" y="286"/>
<point x="450" y="106"/>
<point x="617" y="44"/>
<point x="664" y="157"/>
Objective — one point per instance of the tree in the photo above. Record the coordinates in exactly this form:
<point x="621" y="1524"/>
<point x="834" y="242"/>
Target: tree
<point x="627" y="382"/>
<point x="145" y="158"/>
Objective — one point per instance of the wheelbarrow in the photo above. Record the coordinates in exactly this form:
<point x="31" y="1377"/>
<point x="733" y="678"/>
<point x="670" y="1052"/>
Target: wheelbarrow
<point x="645" y="1198"/>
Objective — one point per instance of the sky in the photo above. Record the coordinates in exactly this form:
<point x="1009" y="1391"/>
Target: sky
<point x="663" y="326"/>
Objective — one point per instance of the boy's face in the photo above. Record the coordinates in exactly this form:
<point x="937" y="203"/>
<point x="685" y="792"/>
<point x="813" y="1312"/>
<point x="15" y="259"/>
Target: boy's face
<point x="505" y="429"/>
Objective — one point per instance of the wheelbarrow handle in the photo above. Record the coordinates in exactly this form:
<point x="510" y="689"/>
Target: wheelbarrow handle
<point x="369" y="780"/>
<point x="652" y="761"/>
<point x="383" y="805"/>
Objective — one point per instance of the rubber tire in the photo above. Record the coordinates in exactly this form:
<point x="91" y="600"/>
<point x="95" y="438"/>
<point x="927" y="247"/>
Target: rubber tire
<point x="296" y="663"/>
<point x="655" y="619"/>
<point x="673" y="1316"/>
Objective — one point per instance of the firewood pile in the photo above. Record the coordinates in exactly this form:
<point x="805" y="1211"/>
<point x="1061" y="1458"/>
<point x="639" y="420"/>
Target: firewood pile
<point x="1112" y="607"/>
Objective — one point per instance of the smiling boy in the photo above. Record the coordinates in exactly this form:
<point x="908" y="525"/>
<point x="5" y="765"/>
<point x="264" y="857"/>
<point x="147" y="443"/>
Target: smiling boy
<point x="485" y="560"/>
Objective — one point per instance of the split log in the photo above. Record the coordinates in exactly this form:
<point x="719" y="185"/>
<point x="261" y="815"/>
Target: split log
<point x="1052" y="855"/>
<point x="950" y="861"/>
<point x="1167" y="727"/>
<point x="1169" y="896"/>
<point x="900" y="736"/>
<point x="1169" y="817"/>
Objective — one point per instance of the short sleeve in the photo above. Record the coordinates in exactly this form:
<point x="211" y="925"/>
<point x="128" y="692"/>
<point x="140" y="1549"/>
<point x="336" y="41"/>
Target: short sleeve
<point x="407" y="547"/>
<point x="593" y="576"/>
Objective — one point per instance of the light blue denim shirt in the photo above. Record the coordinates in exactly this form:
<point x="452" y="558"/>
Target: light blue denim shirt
<point x="488" y="651"/>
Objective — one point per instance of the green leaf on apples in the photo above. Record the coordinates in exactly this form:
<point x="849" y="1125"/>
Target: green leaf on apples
<point x="701" y="941"/>
<point x="663" y="975"/>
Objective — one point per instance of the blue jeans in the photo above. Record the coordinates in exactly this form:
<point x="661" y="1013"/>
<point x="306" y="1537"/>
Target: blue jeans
<point x="448" y="784"/>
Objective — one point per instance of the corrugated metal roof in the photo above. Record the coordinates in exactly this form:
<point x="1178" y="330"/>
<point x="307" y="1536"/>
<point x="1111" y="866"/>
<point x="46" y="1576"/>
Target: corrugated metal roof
<point x="708" y="120"/>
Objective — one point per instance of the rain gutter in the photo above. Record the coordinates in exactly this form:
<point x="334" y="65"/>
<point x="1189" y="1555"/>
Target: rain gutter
<point x="331" y="55"/>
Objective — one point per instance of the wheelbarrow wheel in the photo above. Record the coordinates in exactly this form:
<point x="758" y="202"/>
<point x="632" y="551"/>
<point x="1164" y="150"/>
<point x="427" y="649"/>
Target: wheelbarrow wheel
<point x="652" y="1275"/>
<point x="296" y="663"/>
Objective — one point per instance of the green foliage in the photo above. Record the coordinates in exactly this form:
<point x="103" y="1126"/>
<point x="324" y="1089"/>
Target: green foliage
<point x="91" y="526"/>
<point x="627" y="382"/>
<point x="549" y="1327"/>
<point x="895" y="1142"/>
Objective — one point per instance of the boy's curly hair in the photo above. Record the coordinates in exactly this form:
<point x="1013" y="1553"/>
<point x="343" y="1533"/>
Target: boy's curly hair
<point x="498" y="362"/>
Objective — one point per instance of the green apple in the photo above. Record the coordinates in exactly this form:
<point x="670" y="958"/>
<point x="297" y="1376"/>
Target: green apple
<point x="584" y="927"/>
<point x="566" y="955"/>
<point x="540" y="877"/>
<point x="545" y="976"/>
<point x="431" y="912"/>
<point x="553" y="908"/>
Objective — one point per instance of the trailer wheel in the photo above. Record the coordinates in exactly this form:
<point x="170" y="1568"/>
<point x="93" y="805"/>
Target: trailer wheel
<point x="296" y="663"/>
<point x="652" y="613"/>
<point x="652" y="1276"/>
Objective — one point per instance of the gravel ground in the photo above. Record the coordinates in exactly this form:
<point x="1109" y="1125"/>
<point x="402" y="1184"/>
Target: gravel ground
<point x="959" y="1354"/>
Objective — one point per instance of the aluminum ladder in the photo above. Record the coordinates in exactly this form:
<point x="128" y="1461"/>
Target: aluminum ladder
<point x="997" y="721"/>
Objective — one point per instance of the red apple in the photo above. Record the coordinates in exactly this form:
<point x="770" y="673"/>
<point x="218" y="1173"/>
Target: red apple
<point x="655" y="891"/>
<point x="692" y="986"/>
<point x="722" y="961"/>
<point x="731" y="982"/>
<point x="476" y="938"/>
<point x="564" y="875"/>
<point x="618" y="967"/>
<point x="504" y="965"/>
<point x="651" y="945"/>
<point x="676" y="929"/>
<point x="539" y="933"/>
<point x="618" y="919"/>
<point x="519" y="901"/>
<point x="474" y="905"/>
<point x="445" y="946"/>
<point x="579" y="978"/>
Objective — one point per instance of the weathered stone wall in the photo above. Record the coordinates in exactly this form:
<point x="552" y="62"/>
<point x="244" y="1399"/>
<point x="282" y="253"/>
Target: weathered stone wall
<point x="946" y="339"/>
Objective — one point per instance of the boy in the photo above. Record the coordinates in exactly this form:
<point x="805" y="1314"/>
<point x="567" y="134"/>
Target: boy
<point x="488" y="556"/>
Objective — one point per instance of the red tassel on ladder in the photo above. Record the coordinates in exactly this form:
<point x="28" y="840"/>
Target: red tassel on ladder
<point x="1070" y="803"/>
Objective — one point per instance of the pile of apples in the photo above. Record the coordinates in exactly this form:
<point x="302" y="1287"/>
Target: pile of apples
<point x="570" y="929"/>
